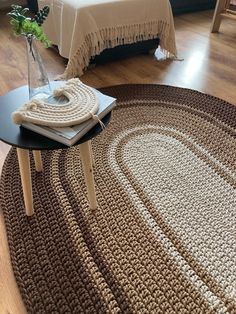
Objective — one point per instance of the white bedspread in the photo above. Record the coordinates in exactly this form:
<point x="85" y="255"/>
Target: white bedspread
<point x="84" y="28"/>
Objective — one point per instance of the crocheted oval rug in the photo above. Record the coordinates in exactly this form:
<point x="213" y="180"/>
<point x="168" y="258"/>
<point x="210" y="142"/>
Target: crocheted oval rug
<point x="163" y="237"/>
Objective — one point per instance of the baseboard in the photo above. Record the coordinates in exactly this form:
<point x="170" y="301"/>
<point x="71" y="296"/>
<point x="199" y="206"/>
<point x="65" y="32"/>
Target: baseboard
<point x="7" y="3"/>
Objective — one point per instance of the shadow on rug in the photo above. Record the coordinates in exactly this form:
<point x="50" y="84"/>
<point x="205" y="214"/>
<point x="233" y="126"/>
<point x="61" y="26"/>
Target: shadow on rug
<point x="163" y="237"/>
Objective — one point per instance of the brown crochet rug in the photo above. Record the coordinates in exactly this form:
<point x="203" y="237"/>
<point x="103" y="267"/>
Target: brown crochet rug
<point x="163" y="239"/>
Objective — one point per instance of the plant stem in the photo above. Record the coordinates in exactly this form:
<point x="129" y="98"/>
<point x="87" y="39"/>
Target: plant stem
<point x="30" y="41"/>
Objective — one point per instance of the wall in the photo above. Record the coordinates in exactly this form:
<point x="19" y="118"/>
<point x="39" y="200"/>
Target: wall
<point x="184" y="6"/>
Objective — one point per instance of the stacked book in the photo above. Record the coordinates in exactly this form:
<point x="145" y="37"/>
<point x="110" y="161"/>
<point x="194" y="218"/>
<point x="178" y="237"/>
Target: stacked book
<point x="72" y="134"/>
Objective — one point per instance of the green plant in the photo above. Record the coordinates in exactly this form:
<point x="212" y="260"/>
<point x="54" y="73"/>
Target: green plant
<point x="28" y="27"/>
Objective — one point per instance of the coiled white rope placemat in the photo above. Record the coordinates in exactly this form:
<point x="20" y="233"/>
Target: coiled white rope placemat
<point x="82" y="105"/>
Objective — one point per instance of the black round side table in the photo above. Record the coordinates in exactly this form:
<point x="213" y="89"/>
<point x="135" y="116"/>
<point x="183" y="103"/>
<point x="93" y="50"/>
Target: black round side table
<point x="25" y="140"/>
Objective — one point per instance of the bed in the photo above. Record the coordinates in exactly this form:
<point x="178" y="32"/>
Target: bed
<point x="83" y="29"/>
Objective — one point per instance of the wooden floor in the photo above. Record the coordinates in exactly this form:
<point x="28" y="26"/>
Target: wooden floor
<point x="209" y="66"/>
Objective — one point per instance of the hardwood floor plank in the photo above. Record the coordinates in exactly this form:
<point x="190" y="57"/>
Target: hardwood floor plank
<point x="209" y="66"/>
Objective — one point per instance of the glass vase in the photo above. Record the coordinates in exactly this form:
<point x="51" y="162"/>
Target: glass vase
<point x="38" y="82"/>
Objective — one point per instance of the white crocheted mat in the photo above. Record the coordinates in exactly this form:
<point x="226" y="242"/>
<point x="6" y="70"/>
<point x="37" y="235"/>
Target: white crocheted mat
<point x="82" y="105"/>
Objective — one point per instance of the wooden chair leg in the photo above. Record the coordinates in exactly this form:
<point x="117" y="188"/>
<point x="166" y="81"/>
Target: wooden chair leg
<point x="86" y="158"/>
<point x="220" y="6"/>
<point x="38" y="160"/>
<point x="24" y="165"/>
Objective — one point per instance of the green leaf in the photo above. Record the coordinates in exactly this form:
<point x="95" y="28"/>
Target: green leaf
<point x="41" y="15"/>
<point x="25" y="26"/>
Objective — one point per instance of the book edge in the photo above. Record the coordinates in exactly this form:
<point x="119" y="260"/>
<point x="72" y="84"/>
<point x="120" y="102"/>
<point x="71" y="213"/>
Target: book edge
<point x="63" y="140"/>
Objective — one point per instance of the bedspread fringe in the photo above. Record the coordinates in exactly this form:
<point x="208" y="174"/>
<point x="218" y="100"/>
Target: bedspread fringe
<point x="95" y="43"/>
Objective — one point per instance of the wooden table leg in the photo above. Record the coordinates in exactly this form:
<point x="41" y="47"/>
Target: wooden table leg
<point x="38" y="160"/>
<point x="91" y="153"/>
<point x="24" y="165"/>
<point x="87" y="163"/>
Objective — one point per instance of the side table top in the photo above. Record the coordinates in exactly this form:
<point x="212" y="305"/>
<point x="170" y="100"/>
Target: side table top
<point x="18" y="136"/>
